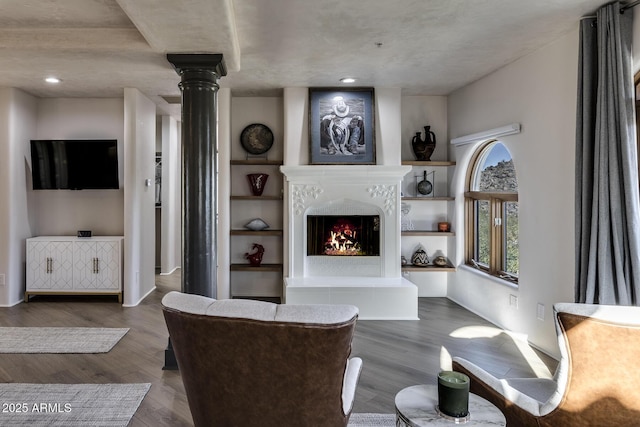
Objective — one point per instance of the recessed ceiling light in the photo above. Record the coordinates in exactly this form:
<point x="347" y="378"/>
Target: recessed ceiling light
<point x="348" y="80"/>
<point x="52" y="80"/>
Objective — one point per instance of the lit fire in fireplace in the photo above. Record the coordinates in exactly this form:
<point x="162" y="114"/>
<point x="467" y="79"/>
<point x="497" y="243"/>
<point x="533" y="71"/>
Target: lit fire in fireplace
<point x="343" y="241"/>
<point x="344" y="235"/>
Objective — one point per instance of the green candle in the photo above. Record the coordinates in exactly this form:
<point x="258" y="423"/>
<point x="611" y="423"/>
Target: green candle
<point x="453" y="394"/>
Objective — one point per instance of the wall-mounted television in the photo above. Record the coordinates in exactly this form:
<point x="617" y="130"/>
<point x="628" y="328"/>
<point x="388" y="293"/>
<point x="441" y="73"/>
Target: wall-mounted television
<point x="74" y="164"/>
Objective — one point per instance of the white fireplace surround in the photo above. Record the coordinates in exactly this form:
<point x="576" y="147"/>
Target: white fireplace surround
<point x="373" y="283"/>
<point x="343" y="190"/>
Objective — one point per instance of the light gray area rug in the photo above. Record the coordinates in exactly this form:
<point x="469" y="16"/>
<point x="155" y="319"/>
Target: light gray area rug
<point x="59" y="340"/>
<point x="70" y="405"/>
<point x="372" y="420"/>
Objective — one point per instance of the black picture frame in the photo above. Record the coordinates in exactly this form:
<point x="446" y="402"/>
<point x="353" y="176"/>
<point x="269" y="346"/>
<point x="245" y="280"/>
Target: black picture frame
<point x="342" y="126"/>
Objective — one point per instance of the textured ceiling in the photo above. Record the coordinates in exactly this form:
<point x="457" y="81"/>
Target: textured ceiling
<point x="425" y="47"/>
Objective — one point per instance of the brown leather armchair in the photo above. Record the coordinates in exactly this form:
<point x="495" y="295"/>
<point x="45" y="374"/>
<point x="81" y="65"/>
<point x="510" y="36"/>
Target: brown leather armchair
<point x="253" y="363"/>
<point x="597" y="382"/>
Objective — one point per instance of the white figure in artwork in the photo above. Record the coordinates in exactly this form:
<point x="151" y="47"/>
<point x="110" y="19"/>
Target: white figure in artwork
<point x="341" y="133"/>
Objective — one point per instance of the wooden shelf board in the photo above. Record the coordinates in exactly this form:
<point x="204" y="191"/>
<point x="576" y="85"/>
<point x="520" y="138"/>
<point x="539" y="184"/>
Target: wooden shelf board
<point x="435" y="199"/>
<point x="263" y="267"/>
<point x="243" y="232"/>
<point x="427" y="233"/>
<point x="429" y="163"/>
<point x="256" y="197"/>
<point x="429" y="268"/>
<point x="257" y="162"/>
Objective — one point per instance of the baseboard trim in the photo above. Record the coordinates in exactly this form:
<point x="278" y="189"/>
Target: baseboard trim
<point x="141" y="299"/>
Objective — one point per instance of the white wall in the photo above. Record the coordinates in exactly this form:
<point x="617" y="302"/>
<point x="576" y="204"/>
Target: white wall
<point x="170" y="248"/>
<point x="388" y="126"/>
<point x="17" y="127"/>
<point x="421" y="111"/>
<point x="139" y="198"/>
<point x="225" y="142"/>
<point x="539" y="92"/>
<point x="63" y="212"/>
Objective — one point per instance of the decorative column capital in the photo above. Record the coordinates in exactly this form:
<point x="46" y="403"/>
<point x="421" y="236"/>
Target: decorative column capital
<point x="203" y="62"/>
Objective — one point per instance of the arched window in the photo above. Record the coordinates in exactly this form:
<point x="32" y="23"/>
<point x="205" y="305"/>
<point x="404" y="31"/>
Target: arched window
<point x="491" y="211"/>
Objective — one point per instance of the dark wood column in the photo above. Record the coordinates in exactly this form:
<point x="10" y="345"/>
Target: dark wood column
<point x="199" y="75"/>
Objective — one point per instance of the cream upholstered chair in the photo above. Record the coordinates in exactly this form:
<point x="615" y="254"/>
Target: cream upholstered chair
<point x="597" y="382"/>
<point x="253" y="363"/>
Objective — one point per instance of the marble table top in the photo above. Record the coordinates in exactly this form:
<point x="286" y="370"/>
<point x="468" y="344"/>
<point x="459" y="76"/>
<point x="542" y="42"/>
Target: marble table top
<point x="416" y="407"/>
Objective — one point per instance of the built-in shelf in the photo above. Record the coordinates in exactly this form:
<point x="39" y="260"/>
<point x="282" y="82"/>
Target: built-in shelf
<point x="269" y="204"/>
<point x="262" y="267"/>
<point x="257" y="162"/>
<point x="256" y="197"/>
<point x="427" y="198"/>
<point x="427" y="233"/>
<point x="256" y="232"/>
<point x="429" y="163"/>
<point x="429" y="268"/>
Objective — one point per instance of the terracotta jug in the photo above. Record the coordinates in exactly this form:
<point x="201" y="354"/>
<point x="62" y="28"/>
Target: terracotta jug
<point x="423" y="148"/>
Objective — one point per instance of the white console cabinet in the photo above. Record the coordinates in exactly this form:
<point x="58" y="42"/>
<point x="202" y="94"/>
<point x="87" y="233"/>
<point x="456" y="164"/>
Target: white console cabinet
<point x="74" y="265"/>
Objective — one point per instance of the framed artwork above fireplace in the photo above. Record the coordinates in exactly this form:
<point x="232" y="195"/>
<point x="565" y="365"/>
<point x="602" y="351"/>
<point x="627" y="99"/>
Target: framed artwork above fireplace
<point x="341" y="126"/>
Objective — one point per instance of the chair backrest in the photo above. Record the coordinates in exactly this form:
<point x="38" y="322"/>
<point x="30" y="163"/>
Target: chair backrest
<point x="253" y="363"/>
<point x="598" y="375"/>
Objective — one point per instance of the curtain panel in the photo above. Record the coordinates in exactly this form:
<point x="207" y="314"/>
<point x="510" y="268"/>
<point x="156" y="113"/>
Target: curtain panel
<point x="607" y="196"/>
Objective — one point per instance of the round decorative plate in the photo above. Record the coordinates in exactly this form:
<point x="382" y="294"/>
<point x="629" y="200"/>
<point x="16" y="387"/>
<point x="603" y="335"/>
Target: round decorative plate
<point x="256" y="138"/>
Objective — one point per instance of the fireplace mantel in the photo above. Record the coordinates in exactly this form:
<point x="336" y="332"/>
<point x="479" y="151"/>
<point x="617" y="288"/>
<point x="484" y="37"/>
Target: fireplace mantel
<point x="363" y="173"/>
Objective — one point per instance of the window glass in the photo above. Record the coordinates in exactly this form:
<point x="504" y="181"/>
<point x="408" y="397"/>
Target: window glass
<point x="512" y="259"/>
<point x="492" y="213"/>
<point x="483" y="234"/>
<point x="494" y="170"/>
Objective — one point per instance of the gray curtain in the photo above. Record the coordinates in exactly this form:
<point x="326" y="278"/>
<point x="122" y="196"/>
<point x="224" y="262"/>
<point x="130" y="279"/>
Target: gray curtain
<point x="607" y="200"/>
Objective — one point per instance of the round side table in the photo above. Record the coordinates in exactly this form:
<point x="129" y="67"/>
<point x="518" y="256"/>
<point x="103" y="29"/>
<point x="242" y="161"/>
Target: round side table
<point x="416" y="407"/>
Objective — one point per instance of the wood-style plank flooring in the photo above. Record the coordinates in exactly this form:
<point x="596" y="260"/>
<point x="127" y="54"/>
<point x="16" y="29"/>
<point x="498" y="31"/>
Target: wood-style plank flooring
<point x="396" y="354"/>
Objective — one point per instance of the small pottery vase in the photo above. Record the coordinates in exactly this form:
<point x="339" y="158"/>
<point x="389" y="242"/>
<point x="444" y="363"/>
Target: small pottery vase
<point x="443" y="226"/>
<point x="440" y="261"/>
<point x="423" y="148"/>
<point x="257" y="182"/>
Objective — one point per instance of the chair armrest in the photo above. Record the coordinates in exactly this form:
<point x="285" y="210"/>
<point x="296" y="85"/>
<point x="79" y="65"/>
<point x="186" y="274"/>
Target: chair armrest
<point x="502" y="387"/>
<point x="349" y="383"/>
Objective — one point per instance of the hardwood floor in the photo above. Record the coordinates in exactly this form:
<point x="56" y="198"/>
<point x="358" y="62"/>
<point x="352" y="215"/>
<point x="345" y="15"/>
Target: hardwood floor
<point x="396" y="354"/>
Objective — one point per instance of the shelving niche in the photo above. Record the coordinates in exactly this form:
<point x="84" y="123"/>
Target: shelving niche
<point x="265" y="281"/>
<point x="421" y="226"/>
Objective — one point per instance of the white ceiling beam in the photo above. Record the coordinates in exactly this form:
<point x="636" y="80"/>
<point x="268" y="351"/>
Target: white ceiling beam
<point x="187" y="26"/>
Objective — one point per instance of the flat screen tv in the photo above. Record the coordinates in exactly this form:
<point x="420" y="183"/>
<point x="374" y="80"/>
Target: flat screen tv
<point x="74" y="164"/>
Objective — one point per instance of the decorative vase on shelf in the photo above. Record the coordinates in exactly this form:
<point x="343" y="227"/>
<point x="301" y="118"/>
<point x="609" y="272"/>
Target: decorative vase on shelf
<point x="255" y="257"/>
<point x="420" y="257"/>
<point x="257" y="182"/>
<point x="423" y="148"/>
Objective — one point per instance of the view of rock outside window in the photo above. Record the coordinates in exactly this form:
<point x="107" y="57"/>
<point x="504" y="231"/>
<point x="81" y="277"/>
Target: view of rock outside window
<point x="512" y="261"/>
<point x="495" y="173"/>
